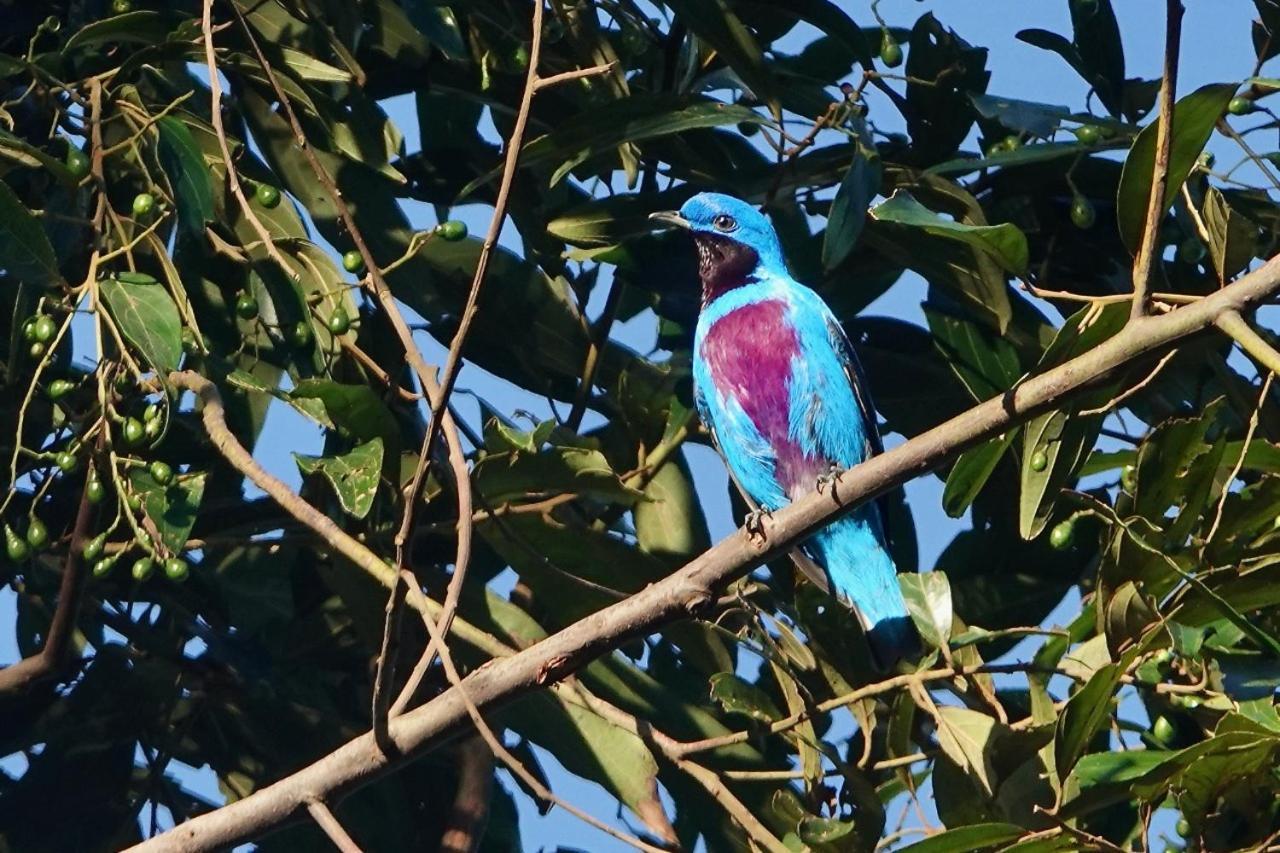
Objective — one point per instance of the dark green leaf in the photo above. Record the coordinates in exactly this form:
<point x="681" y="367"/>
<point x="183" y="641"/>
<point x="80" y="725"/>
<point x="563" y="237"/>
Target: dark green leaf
<point x="1004" y="243"/>
<point x="740" y="697"/>
<point x="188" y="174"/>
<point x="1086" y="712"/>
<point x="849" y="208"/>
<point x="354" y="475"/>
<point x="971" y="471"/>
<point x="172" y="508"/>
<point x="148" y="318"/>
<point x="966" y="839"/>
<point x="25" y="253"/>
<point x="1193" y="119"/>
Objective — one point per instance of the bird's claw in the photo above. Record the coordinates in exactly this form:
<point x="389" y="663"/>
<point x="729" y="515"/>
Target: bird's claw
<point x="754" y="524"/>
<point x="832" y="476"/>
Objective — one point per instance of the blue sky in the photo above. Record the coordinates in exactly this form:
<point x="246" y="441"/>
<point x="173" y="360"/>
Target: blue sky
<point x="1216" y="48"/>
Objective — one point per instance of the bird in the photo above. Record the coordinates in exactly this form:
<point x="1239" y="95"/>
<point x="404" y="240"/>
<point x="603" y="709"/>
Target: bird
<point x="779" y="387"/>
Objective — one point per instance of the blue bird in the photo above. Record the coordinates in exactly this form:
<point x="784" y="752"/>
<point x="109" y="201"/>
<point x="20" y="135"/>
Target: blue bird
<point x="778" y="385"/>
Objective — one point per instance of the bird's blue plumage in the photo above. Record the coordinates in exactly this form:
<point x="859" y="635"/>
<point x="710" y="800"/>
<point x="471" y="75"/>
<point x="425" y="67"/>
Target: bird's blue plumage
<point x="779" y="386"/>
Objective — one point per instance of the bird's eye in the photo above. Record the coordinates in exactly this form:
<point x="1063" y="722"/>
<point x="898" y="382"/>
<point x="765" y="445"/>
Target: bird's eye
<point x="724" y="222"/>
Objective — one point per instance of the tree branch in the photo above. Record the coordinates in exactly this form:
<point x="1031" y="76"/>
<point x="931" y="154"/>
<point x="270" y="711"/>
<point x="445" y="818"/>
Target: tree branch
<point x="328" y="822"/>
<point x="692" y="588"/>
<point x="1164" y="139"/>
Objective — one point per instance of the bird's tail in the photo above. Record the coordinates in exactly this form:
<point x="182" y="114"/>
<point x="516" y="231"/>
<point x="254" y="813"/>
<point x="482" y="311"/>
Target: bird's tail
<point x="853" y="554"/>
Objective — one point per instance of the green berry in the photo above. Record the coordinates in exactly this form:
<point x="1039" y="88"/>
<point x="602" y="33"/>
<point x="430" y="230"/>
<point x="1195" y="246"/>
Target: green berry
<point x="44" y="329"/>
<point x="37" y="533"/>
<point x="452" y="230"/>
<point x="1164" y="657"/>
<point x="142" y="568"/>
<point x="890" y="50"/>
<point x="60" y="388"/>
<point x="144" y="540"/>
<point x="143" y="204"/>
<point x="1039" y="461"/>
<point x="29" y="329"/>
<point x="153" y="428"/>
<point x="1061" y="535"/>
<point x="300" y="334"/>
<point x="67" y="462"/>
<point x="93" y="548"/>
<point x="247" y="306"/>
<point x="1191" y="251"/>
<point x="151" y="412"/>
<point x="133" y="501"/>
<point x="1012" y="143"/>
<point x="176" y="569"/>
<point x="1241" y="106"/>
<point x="37" y="349"/>
<point x="1183" y="827"/>
<point x="1188" y="702"/>
<point x="1082" y="213"/>
<point x="103" y="567"/>
<point x="1088" y="134"/>
<point x="161" y="472"/>
<point x="1129" y="478"/>
<point x="120" y="7"/>
<point x="77" y="162"/>
<point x="520" y="57"/>
<point x="94" y="490"/>
<point x="1162" y="730"/>
<point x="14" y="546"/>
<point x="353" y="261"/>
<point x="339" y="323"/>
<point x="267" y="195"/>
<point x="133" y="431"/>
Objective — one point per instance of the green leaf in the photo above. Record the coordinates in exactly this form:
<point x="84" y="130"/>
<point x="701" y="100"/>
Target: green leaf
<point x="966" y="839"/>
<point x="831" y="19"/>
<point x="354" y="475"/>
<point x="188" y="174"/>
<point x="503" y="477"/>
<point x="1029" y="116"/>
<point x="714" y="22"/>
<point x="172" y="508"/>
<point x="986" y="363"/>
<point x="928" y="597"/>
<point x="1086" y="712"/>
<point x="307" y="67"/>
<point x="1003" y="243"/>
<point x="148" y="319"/>
<point x="25" y="253"/>
<point x="971" y="471"/>
<point x="1101" y="768"/>
<point x="823" y="830"/>
<point x="669" y="521"/>
<point x="1021" y="156"/>
<point x="965" y="737"/>
<point x="142" y="26"/>
<point x="439" y="25"/>
<point x="357" y="409"/>
<point x="1233" y="238"/>
<point x="740" y="697"/>
<point x="1064" y="439"/>
<point x="1193" y="119"/>
<point x="19" y="150"/>
<point x="860" y="185"/>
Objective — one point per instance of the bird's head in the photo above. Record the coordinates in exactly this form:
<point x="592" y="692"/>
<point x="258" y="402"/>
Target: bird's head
<point x="734" y="240"/>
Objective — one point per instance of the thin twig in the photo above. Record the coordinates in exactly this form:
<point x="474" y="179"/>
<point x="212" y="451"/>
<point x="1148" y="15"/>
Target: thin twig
<point x="1164" y="137"/>
<point x="1234" y="324"/>
<point x="1120" y="398"/>
<point x="1244" y="451"/>
<point x="326" y="820"/>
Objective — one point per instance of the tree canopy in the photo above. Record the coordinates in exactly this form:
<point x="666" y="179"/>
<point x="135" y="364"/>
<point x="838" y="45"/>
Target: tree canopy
<point x="209" y="216"/>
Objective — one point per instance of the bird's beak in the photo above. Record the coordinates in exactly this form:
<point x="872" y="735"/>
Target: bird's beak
<point x="670" y="218"/>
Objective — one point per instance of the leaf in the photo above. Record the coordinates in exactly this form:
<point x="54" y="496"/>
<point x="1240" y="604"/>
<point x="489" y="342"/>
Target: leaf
<point x="740" y="697"/>
<point x="971" y="471"/>
<point x="714" y="22"/>
<point x="356" y="409"/>
<point x="172" y="508"/>
<point x="928" y="597"/>
<point x="966" y="839"/>
<point x="1233" y="238"/>
<point x="859" y="186"/>
<point x="1096" y="37"/>
<point x="632" y="119"/>
<point x="823" y="830"/>
<point x="354" y="475"/>
<point x="25" y="253"/>
<point x="439" y="25"/>
<point x="142" y="26"/>
<point x="1062" y="440"/>
<point x="188" y="173"/>
<point x="670" y="523"/>
<point x="1004" y="243"/>
<point x="986" y="363"/>
<point x="503" y="477"/>
<point x="1029" y="116"/>
<point x="148" y="319"/>
<point x="831" y="19"/>
<point x="21" y="151"/>
<point x="307" y="67"/>
<point x="965" y="737"/>
<point x="1086" y="712"/>
<point x="1194" y="117"/>
<point x="1022" y="156"/>
<point x="1101" y="768"/>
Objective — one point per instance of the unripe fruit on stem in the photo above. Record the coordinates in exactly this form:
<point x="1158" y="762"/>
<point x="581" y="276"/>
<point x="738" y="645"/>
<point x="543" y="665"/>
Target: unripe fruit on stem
<point x="1088" y="134"/>
<point x="247" y="306"/>
<point x="1061" y="535"/>
<point x="67" y="462"/>
<point x="1162" y="730"/>
<point x="890" y="50"/>
<point x="94" y="490"/>
<point x="353" y="262"/>
<point x="142" y="568"/>
<point x="133" y="431"/>
<point x="15" y="548"/>
<point x="1082" y="213"/>
<point x="37" y="533"/>
<point x="143" y="204"/>
<point x="1039" y="461"/>
<point x="452" y="230"/>
<point x="77" y="162"/>
<point x="300" y="334"/>
<point x="176" y="569"/>
<point x="266" y="195"/>
<point x="93" y="548"/>
<point x="44" y="329"/>
<point x="1129" y="478"/>
<point x="1240" y="106"/>
<point x="60" y="388"/>
<point x="103" y="567"/>
<point x="161" y="472"/>
<point x="338" y="323"/>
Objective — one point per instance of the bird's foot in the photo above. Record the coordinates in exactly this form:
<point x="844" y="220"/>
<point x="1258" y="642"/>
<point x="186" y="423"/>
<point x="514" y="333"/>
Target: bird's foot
<point x="830" y="478"/>
<point x="754" y="525"/>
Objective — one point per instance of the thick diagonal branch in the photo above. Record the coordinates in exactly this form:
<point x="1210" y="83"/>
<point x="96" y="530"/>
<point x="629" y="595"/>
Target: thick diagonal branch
<point x="694" y="586"/>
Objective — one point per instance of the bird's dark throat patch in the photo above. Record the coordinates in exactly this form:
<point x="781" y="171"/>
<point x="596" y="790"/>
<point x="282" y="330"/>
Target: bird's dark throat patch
<point x="723" y="264"/>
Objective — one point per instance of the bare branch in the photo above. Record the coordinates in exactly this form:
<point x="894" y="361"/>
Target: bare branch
<point x="1250" y="341"/>
<point x="694" y="587"/>
<point x="329" y="823"/>
<point x="1164" y="138"/>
